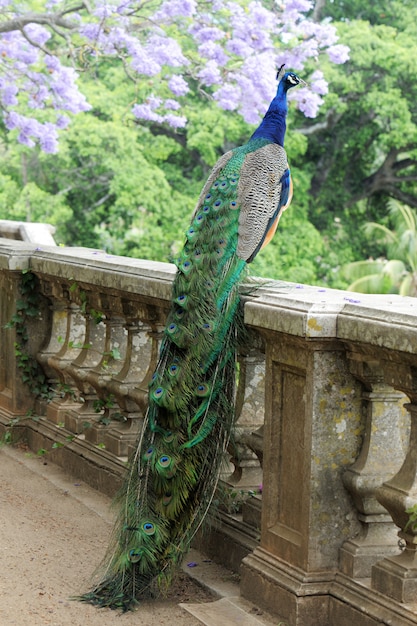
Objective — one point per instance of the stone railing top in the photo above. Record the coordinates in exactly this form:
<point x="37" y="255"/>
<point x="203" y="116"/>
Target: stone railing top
<point x="388" y="321"/>
<point x="385" y="320"/>
<point x="33" y="232"/>
<point x="89" y="266"/>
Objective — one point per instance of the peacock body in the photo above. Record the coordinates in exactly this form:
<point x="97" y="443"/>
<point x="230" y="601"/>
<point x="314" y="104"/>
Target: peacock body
<point x="173" y="475"/>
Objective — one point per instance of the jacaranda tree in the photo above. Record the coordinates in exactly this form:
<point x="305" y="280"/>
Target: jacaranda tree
<point x="227" y="49"/>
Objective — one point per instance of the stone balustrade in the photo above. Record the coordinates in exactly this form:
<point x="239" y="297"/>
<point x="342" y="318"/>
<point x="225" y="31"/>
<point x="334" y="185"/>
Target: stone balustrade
<point x="326" y="421"/>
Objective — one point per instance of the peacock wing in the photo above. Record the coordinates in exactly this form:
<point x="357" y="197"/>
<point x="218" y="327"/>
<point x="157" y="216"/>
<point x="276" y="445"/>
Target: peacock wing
<point x="264" y="190"/>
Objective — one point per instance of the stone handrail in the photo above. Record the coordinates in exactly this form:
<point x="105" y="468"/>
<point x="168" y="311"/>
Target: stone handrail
<point x="326" y="396"/>
<point x="32" y="232"/>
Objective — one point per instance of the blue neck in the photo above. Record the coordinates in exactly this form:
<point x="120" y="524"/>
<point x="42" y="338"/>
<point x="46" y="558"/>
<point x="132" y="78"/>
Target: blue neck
<point x="273" y="125"/>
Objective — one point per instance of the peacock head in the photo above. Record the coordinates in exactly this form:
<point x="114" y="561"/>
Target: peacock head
<point x="288" y="79"/>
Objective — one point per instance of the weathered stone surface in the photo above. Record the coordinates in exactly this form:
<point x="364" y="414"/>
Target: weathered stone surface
<point x="316" y="404"/>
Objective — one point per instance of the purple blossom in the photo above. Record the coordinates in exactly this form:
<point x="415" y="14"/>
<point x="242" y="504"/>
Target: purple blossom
<point x="202" y="34"/>
<point x="145" y="112"/>
<point x="318" y="84"/>
<point x="238" y="47"/>
<point x="228" y="97"/>
<point x="49" y="139"/>
<point x="338" y="53"/>
<point x="324" y="33"/>
<point x="91" y="31"/>
<point x="178" y="85"/>
<point x="154" y="102"/>
<point x="253" y="25"/>
<point x="11" y="120"/>
<point x="235" y="47"/>
<point x="172" y="9"/>
<point x="103" y="10"/>
<point x="216" y="5"/>
<point x="8" y="95"/>
<point x="298" y="5"/>
<point x="307" y="101"/>
<point x="214" y="51"/>
<point x="210" y="74"/>
<point x="30" y="131"/>
<point x="148" y="111"/>
<point x="62" y="121"/>
<point x="37" y="34"/>
<point x="143" y="63"/>
<point x="173" y="105"/>
<point x="166" y="50"/>
<point x="175" y="121"/>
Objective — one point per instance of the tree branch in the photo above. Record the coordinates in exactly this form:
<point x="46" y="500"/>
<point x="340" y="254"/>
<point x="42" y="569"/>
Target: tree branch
<point x="384" y="180"/>
<point x="404" y="164"/>
<point x="46" y="19"/>
<point x="318" y="10"/>
<point x="329" y="122"/>
<point x="402" y="196"/>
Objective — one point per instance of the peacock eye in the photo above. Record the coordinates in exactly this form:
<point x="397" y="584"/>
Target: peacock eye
<point x="135" y="556"/>
<point x="164" y="460"/>
<point x="149" y="528"/>
<point x="203" y="389"/>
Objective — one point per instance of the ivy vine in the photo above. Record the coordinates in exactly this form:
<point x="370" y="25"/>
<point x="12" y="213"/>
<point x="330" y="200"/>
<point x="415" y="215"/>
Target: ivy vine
<point x="28" y="308"/>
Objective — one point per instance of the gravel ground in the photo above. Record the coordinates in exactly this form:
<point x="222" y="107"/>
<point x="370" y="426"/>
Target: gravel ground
<point x="54" y="532"/>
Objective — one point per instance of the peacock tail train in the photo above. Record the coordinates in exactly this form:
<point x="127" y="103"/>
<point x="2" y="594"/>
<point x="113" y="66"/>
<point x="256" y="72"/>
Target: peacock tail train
<point x="173" y="474"/>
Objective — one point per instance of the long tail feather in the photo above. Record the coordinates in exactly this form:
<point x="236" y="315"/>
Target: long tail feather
<point x="173" y="475"/>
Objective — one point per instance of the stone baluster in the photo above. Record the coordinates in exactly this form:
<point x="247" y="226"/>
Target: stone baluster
<point x="139" y="392"/>
<point x="130" y="385"/>
<point x="384" y="425"/>
<point x="111" y="362"/>
<point x="59" y="324"/>
<point x="79" y="419"/>
<point x="246" y="445"/>
<point x="396" y="576"/>
<point x="65" y="343"/>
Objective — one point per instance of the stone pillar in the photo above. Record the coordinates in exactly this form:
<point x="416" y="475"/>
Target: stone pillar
<point x="16" y="396"/>
<point x="396" y="576"/>
<point x="247" y="474"/>
<point x="313" y="425"/>
<point x="385" y="423"/>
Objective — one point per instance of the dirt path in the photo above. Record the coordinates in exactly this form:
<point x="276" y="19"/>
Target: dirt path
<point x="53" y="533"/>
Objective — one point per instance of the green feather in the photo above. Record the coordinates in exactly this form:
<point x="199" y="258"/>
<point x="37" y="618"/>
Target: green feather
<point x="173" y="474"/>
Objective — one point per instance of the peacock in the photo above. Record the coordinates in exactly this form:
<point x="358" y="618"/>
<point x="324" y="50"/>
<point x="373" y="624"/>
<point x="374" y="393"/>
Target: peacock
<point x="172" y="477"/>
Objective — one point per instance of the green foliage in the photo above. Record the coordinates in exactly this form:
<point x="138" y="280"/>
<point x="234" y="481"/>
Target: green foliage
<point x="130" y="188"/>
<point x="232" y="499"/>
<point x="27" y="308"/>
<point x="363" y="150"/>
<point x="399" y="273"/>
<point x="412" y="521"/>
